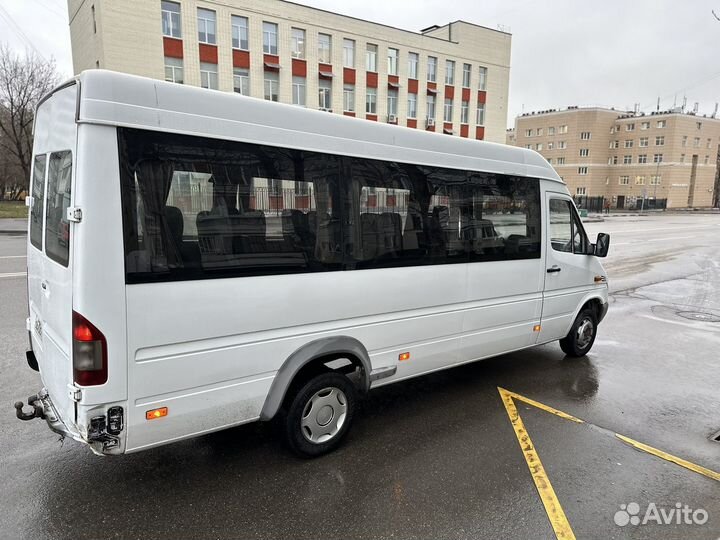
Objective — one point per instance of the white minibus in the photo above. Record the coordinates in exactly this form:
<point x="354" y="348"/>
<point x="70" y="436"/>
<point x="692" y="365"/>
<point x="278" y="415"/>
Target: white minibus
<point x="199" y="260"/>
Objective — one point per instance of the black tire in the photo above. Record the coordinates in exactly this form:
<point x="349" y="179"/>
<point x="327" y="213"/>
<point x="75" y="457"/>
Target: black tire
<point x="578" y="343"/>
<point x="299" y="411"/>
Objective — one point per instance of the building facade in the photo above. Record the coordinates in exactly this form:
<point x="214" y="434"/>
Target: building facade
<point x="633" y="160"/>
<point x="451" y="78"/>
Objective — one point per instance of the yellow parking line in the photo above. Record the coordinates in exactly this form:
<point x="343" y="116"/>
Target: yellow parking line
<point x="669" y="457"/>
<point x="555" y="513"/>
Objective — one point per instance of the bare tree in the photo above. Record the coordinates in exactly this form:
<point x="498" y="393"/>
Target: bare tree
<point x="23" y="81"/>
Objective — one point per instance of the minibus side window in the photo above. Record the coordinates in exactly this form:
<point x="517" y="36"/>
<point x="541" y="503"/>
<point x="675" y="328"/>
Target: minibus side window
<point x="561" y="225"/>
<point x="580" y="241"/>
<point x="57" y="227"/>
<point x="37" y="211"/>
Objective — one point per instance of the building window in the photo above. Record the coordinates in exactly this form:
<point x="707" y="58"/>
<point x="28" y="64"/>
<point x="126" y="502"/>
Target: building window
<point x="539" y="147"/>
<point x="208" y="75"/>
<point x="627" y="160"/>
<point x="584" y="152"/>
<point x="349" y="54"/>
<point x="562" y="129"/>
<point x="582" y="171"/>
<point x="467" y="71"/>
<point x="657" y="158"/>
<point x="551" y="145"/>
<point x="299" y="91"/>
<point x="297" y="43"/>
<point x="562" y="145"/>
<point x="173" y="70"/>
<point x="272" y="86"/>
<point x="614" y="160"/>
<point x="561" y="160"/>
<point x="645" y="125"/>
<point x="629" y="127"/>
<point x="432" y="69"/>
<point x="655" y="180"/>
<point x="270" y="38"/>
<point x="480" y="116"/>
<point x="450" y="72"/>
<point x="709" y="143"/>
<point x="413" y="61"/>
<point x="585" y="136"/>
<point x="615" y="144"/>
<point x="528" y="146"/>
<point x="699" y="125"/>
<point x="431" y="113"/>
<point x="643" y="142"/>
<point x="549" y="160"/>
<point x="696" y="142"/>
<point x="482" y="84"/>
<point x="206" y="26"/>
<point x="393" y="55"/>
<point x="684" y="140"/>
<point x="662" y="123"/>
<point x="528" y="132"/>
<point x="659" y="141"/>
<point x="239" y="32"/>
<point x="324" y="48"/>
<point x="624" y="180"/>
<point x="539" y="131"/>
<point x="392" y="103"/>
<point x="629" y="143"/>
<point x="371" y="101"/>
<point x="412" y="105"/>
<point x="448" y="116"/>
<point x="707" y="160"/>
<point x="349" y="98"/>
<point x="171" y="19"/>
<point x="371" y="58"/>
<point x="682" y="158"/>
<point x="551" y="131"/>
<point x="581" y="191"/>
<point x="464" y="112"/>
<point x="639" y="180"/>
<point x="241" y="81"/>
<point x="325" y="95"/>
<point x="642" y="158"/>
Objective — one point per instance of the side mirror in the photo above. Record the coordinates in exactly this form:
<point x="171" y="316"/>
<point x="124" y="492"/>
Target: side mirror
<point x="602" y="244"/>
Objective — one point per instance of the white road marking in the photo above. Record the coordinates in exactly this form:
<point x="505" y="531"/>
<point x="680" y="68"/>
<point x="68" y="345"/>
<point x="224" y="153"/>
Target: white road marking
<point x="13" y="274"/>
<point x="652" y="240"/>
<point x="13" y="257"/>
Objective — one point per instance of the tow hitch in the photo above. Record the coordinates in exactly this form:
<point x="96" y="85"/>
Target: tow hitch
<point x="37" y="409"/>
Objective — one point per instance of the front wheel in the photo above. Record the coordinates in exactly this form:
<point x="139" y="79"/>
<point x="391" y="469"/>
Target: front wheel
<point x="581" y="337"/>
<point x="320" y="414"/>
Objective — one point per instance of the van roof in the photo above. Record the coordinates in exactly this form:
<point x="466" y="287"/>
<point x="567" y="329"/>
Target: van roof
<point x="119" y="99"/>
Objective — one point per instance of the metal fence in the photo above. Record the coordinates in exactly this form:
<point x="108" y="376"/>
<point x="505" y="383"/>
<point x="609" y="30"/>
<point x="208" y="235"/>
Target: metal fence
<point x="591" y="204"/>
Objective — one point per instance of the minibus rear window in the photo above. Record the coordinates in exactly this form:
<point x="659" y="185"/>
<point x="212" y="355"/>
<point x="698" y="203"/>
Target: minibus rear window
<point x="57" y="227"/>
<point x="37" y="210"/>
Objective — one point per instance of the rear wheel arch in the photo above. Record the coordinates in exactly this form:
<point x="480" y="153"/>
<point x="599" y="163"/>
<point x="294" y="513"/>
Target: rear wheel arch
<point x="312" y="359"/>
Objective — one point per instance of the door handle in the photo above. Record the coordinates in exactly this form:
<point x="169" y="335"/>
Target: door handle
<point x="554" y="269"/>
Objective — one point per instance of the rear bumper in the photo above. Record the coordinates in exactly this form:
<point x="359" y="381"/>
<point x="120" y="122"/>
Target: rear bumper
<point x="53" y="419"/>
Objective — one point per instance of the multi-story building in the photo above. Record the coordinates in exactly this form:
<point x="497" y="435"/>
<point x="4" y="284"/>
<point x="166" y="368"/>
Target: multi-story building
<point x="451" y="78"/>
<point x="631" y="159"/>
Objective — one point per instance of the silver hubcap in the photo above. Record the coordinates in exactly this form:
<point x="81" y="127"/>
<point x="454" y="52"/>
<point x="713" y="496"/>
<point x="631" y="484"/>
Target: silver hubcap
<point x="324" y="415"/>
<point x="585" y="333"/>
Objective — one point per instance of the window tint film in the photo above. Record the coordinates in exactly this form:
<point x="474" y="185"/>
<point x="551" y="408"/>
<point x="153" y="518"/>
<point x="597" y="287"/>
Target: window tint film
<point x="37" y="211"/>
<point x="57" y="227"/>
<point x="560" y="225"/>
<point x="198" y="208"/>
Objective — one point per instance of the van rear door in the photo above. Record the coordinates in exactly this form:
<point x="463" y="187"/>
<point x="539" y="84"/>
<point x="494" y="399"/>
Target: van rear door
<point x="50" y="248"/>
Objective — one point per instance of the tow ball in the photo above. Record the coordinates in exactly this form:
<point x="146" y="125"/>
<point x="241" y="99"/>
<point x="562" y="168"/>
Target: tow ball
<point x="37" y="409"/>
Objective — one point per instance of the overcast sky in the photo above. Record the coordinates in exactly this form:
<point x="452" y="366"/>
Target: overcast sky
<point x="564" y="52"/>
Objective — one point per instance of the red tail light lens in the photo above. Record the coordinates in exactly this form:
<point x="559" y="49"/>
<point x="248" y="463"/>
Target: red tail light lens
<point x="89" y="353"/>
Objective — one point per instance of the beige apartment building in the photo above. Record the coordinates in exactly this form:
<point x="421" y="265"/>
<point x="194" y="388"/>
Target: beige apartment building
<point x="631" y="159"/>
<point x="451" y="78"/>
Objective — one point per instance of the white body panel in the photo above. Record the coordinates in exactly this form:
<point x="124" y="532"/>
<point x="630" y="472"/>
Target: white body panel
<point x="209" y="350"/>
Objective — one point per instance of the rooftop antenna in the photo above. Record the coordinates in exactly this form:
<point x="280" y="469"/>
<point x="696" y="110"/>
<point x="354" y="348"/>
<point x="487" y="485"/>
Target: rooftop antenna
<point x="675" y="102"/>
<point x="658" y="105"/>
<point x="696" y="107"/>
<point x="684" y="103"/>
<point x="714" y="114"/>
<point x="637" y="108"/>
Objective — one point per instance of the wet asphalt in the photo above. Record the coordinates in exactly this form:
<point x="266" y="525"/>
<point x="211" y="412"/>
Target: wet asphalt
<point x="433" y="457"/>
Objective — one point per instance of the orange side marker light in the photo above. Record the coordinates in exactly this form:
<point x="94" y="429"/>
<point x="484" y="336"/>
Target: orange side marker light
<point x="537" y="328"/>
<point x="156" y="413"/>
<point x="404" y="356"/>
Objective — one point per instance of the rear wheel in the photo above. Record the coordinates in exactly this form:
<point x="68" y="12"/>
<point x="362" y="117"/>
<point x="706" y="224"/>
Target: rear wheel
<point x="319" y="415"/>
<point x="581" y="337"/>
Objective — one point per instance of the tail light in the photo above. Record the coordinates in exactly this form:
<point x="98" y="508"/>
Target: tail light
<point x="89" y="353"/>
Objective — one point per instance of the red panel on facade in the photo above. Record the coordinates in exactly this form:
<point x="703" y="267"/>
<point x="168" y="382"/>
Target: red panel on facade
<point x="412" y="123"/>
<point x="464" y="130"/>
<point x="431" y="128"/>
<point x="208" y="53"/>
<point x="173" y="47"/>
<point x="325" y="67"/>
<point x="299" y="68"/>
<point x="346" y="113"/>
<point x="480" y="133"/>
<point x="393" y="79"/>
<point x="432" y="85"/>
<point x="448" y="126"/>
<point x="466" y="94"/>
<point x="372" y="117"/>
<point x="349" y="76"/>
<point x="482" y="96"/>
<point x="241" y="59"/>
<point x="449" y="92"/>
<point x="372" y="79"/>
<point x="270" y="59"/>
<point x="412" y="86"/>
